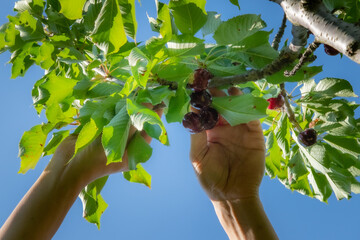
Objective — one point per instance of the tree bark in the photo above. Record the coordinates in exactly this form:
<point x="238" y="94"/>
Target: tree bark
<point x="326" y="27"/>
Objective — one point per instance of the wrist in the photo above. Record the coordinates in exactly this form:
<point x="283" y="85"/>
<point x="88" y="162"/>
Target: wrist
<point x="244" y="218"/>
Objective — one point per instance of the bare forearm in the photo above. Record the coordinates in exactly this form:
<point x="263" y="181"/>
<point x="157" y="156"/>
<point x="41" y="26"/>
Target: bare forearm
<point x="42" y="210"/>
<point x="244" y="219"/>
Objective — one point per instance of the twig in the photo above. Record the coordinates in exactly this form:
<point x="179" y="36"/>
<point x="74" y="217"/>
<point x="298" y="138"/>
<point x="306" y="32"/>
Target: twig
<point x="172" y="85"/>
<point x="280" y="34"/>
<point x="285" y="58"/>
<point x="306" y="57"/>
<point x="288" y="110"/>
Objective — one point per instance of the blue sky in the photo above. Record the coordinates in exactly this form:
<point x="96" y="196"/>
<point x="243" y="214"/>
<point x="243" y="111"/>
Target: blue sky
<point x="176" y="207"/>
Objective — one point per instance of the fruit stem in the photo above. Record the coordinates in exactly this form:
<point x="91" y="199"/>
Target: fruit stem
<point x="288" y="109"/>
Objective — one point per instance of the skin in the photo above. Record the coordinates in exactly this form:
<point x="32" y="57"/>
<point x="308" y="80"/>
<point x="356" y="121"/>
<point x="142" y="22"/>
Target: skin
<point x="229" y="163"/>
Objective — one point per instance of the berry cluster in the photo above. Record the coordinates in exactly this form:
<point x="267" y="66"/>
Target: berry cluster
<point x="208" y="117"/>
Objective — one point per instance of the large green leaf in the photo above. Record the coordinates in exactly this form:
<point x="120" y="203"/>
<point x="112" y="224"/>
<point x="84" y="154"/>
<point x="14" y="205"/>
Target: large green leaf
<point x="31" y="147"/>
<point x="212" y="23"/>
<point x="140" y="115"/>
<point x="72" y="9"/>
<point x="127" y="8"/>
<point x="93" y="203"/>
<point x="238" y="28"/>
<point x="109" y="30"/>
<point x="115" y="135"/>
<point x="178" y="106"/>
<point x="55" y="141"/>
<point x="240" y="109"/>
<point x="344" y="144"/>
<point x="333" y="87"/>
<point x="185" y="45"/>
<point x="189" y="18"/>
<point x="282" y="134"/>
<point x="139" y="175"/>
<point x="138" y="151"/>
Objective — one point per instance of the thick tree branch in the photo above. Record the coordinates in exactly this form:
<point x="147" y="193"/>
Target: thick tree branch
<point x="285" y="58"/>
<point x="327" y="28"/>
<point x="280" y="34"/>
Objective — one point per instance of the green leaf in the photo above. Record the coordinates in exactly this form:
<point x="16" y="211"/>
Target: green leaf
<point x="236" y="3"/>
<point x="115" y="136"/>
<point x="185" y="45"/>
<point x="72" y="9"/>
<point x="90" y="131"/>
<point x="199" y="3"/>
<point x="93" y="203"/>
<point x="173" y="72"/>
<point x="333" y="87"/>
<point x="178" y="106"/>
<point x="189" y="18"/>
<point x="297" y="167"/>
<point x="238" y="28"/>
<point x="282" y="134"/>
<point x="212" y="23"/>
<point x="34" y="7"/>
<point x="138" y="151"/>
<point x="344" y="144"/>
<point x="127" y="8"/>
<point x="340" y="183"/>
<point x="155" y="95"/>
<point x="55" y="141"/>
<point x="254" y="51"/>
<point x="140" y="115"/>
<point x="320" y="185"/>
<point x="109" y="31"/>
<point x="273" y="156"/>
<point x="240" y="109"/>
<point x="31" y="147"/>
<point x="138" y="176"/>
<point x="165" y="21"/>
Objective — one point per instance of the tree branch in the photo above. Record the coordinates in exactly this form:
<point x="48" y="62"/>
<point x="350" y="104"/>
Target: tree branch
<point x="304" y="58"/>
<point x="327" y="28"/>
<point x="285" y="58"/>
<point x="280" y="34"/>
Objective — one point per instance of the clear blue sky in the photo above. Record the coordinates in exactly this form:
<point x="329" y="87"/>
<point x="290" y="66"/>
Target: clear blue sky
<point x="175" y="208"/>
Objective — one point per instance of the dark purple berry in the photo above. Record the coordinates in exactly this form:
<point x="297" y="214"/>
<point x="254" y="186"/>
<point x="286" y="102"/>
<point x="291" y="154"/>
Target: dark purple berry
<point x="192" y="121"/>
<point x="200" y="99"/>
<point x="201" y="79"/>
<point x="209" y="117"/>
<point x="308" y="137"/>
<point x="330" y="50"/>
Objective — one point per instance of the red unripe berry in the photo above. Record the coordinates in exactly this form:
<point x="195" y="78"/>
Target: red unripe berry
<point x="276" y="103"/>
<point x="330" y="50"/>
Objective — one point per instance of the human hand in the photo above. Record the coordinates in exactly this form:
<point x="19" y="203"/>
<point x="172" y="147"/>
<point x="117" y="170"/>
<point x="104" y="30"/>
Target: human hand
<point x="229" y="161"/>
<point x="90" y="163"/>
